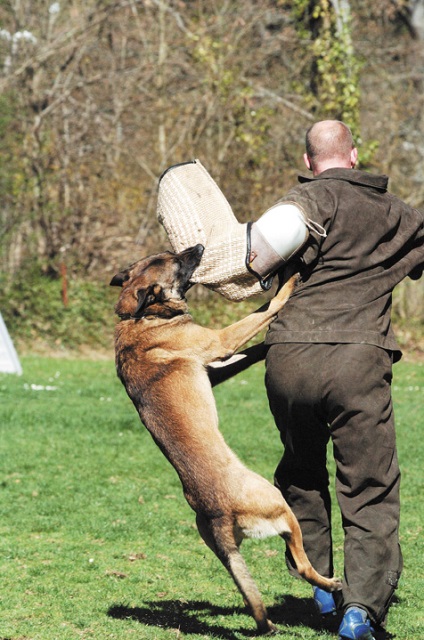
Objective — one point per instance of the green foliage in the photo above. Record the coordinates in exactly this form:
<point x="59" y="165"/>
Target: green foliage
<point x="98" y="542"/>
<point x="9" y="148"/>
<point x="238" y="116"/>
<point x="6" y="115"/>
<point x="36" y="314"/>
<point x="335" y="81"/>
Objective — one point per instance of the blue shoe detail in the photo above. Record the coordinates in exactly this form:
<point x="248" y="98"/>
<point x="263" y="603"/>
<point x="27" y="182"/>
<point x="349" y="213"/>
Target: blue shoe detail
<point x="355" y="625"/>
<point x="324" y="602"/>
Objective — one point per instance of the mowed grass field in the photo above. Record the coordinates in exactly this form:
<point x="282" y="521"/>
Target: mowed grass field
<point x="97" y="541"/>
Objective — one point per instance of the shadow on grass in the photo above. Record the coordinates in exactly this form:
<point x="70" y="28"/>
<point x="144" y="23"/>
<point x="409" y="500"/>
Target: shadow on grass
<point x="187" y="616"/>
<point x="174" y="614"/>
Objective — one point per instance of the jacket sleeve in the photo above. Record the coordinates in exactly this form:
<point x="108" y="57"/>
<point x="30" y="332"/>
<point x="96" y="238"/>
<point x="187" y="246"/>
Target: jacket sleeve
<point x="318" y="213"/>
<point x="417" y="271"/>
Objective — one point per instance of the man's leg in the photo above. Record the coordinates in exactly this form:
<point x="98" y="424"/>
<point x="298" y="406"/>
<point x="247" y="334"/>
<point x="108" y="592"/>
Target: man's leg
<point x="360" y="413"/>
<point x="295" y="397"/>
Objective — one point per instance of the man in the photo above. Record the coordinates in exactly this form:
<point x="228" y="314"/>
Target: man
<point x="329" y="371"/>
<point x="330" y="351"/>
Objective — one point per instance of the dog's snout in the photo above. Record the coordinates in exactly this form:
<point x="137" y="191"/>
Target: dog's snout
<point x="194" y="252"/>
<point x="191" y="257"/>
<point x="197" y="253"/>
<point x="189" y="260"/>
<point x="199" y="249"/>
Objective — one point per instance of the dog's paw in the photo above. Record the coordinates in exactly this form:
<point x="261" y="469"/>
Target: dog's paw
<point x="267" y="630"/>
<point x="336" y="584"/>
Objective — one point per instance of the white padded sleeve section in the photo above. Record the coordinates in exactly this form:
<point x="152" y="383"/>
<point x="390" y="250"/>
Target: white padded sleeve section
<point x="284" y="228"/>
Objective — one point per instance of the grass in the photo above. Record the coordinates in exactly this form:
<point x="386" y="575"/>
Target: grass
<point x="97" y="542"/>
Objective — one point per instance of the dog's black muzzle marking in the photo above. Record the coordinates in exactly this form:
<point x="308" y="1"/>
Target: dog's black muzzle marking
<point x="189" y="260"/>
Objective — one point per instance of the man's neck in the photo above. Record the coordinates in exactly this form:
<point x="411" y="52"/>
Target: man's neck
<point x="331" y="164"/>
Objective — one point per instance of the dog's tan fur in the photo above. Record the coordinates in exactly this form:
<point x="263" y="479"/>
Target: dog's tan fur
<point x="161" y="358"/>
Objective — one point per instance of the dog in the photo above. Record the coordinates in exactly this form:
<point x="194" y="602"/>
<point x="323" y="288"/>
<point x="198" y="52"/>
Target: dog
<point x="162" y="358"/>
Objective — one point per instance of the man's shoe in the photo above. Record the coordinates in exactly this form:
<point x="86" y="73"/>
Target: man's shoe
<point x="355" y="625"/>
<point x="324" y="602"/>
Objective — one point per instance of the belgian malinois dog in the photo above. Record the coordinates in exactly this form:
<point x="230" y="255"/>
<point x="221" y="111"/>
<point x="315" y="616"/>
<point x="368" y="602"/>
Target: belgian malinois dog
<point x="162" y="358"/>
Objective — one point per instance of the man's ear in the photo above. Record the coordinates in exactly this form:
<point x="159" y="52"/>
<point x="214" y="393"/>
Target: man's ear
<point x="353" y="157"/>
<point x="307" y="161"/>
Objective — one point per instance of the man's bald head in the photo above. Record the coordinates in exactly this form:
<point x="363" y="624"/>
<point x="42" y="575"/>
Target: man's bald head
<point x="329" y="144"/>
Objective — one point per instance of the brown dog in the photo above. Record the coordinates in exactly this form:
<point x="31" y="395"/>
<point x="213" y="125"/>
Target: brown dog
<point x="161" y="358"/>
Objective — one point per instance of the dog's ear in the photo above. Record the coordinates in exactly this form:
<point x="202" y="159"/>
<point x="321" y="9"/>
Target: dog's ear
<point x="119" y="279"/>
<point x="146" y="297"/>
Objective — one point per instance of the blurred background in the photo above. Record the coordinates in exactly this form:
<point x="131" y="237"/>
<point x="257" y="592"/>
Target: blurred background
<point x="98" y="97"/>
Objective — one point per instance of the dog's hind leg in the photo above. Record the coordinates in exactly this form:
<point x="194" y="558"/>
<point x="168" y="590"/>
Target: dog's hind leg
<point x="219" y="535"/>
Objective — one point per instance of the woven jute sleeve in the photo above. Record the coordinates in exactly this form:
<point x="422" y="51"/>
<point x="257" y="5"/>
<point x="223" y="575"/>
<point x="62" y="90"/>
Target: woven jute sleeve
<point x="192" y="209"/>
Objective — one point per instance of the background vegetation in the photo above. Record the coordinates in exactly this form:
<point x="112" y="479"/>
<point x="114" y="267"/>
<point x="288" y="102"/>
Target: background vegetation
<point x="98" y="97"/>
<point x="97" y="541"/>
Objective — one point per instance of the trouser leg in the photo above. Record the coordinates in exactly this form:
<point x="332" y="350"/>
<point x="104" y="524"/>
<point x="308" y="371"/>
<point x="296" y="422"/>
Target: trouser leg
<point x="361" y="419"/>
<point x="301" y="475"/>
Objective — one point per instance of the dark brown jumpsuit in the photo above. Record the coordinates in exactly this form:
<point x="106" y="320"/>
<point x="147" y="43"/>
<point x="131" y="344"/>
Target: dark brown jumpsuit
<point x="329" y="371"/>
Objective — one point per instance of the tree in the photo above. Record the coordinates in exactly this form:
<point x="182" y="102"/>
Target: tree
<point x="334" y="70"/>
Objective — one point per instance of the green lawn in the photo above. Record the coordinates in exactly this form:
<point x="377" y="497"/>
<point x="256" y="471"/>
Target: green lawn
<point x="97" y="542"/>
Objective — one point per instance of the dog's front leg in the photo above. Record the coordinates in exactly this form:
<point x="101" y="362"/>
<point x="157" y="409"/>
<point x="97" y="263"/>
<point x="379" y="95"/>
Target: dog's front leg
<point x="219" y="371"/>
<point x="237" y="334"/>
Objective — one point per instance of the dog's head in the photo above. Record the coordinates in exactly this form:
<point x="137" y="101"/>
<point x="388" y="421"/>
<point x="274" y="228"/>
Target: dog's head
<point x="157" y="285"/>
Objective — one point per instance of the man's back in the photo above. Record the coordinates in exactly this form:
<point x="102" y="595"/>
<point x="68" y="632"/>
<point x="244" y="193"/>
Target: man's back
<point x="348" y="277"/>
